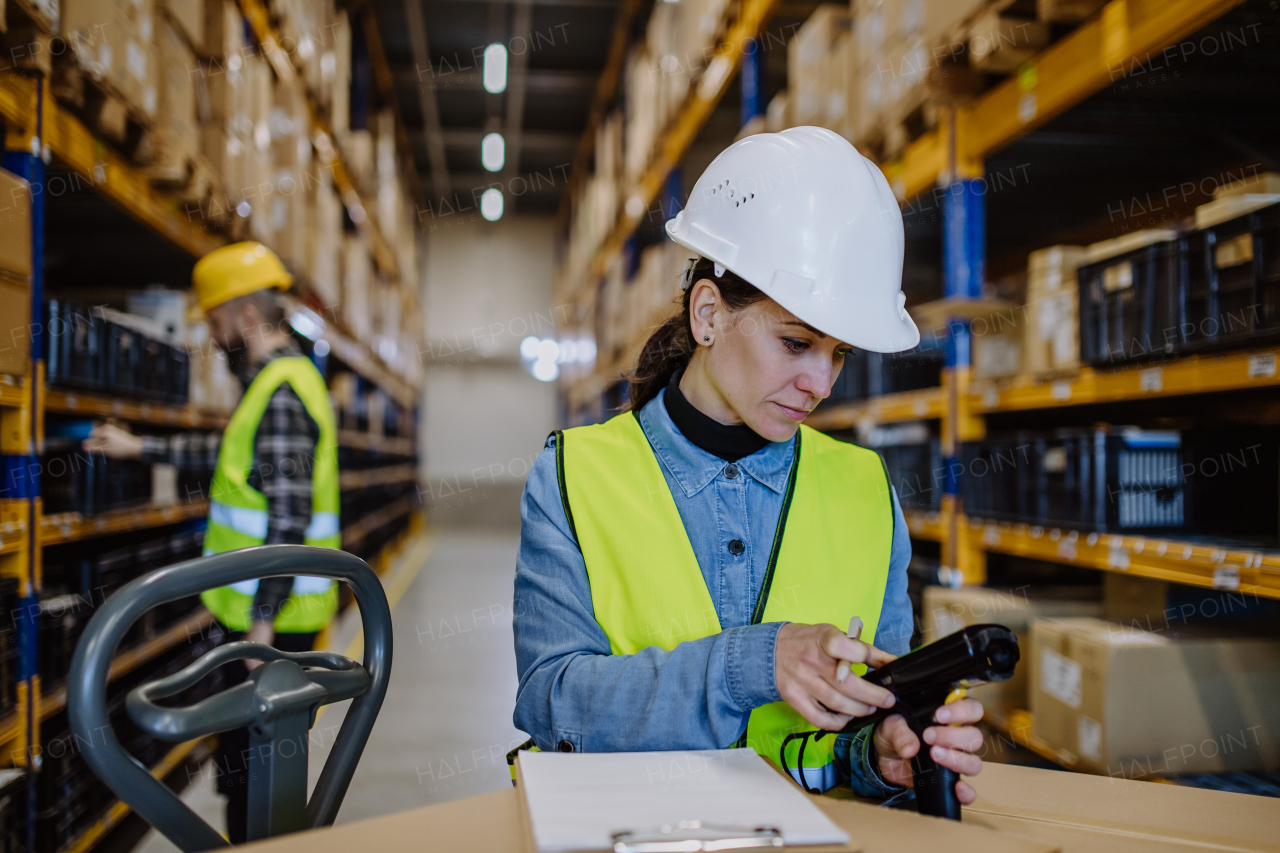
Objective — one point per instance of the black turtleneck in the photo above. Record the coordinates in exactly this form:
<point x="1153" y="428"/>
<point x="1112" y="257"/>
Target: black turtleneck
<point x="729" y="442"/>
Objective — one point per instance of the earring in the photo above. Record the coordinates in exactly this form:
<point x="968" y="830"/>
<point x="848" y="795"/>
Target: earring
<point x="707" y="338"/>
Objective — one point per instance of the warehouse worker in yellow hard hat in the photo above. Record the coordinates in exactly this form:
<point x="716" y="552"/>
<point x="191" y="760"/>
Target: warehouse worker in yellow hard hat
<point x="274" y="468"/>
<point x="687" y="569"/>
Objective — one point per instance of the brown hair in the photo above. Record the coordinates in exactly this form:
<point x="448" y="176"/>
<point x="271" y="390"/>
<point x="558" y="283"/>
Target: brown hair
<point x="672" y="345"/>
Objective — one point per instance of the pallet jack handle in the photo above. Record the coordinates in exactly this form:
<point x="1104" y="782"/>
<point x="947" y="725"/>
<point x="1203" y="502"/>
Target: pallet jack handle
<point x="278" y="702"/>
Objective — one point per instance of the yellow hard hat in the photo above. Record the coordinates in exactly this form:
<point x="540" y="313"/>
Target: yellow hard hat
<point x="237" y="270"/>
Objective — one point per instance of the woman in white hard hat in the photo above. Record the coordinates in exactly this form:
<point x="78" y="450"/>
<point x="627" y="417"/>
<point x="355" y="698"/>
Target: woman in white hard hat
<point x="683" y="566"/>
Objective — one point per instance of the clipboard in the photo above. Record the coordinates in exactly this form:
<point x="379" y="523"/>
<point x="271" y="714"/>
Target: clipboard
<point x="685" y="836"/>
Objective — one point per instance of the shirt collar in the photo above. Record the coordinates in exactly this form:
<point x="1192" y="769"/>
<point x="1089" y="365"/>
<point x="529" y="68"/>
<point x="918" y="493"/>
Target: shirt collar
<point x="694" y="468"/>
<point x="285" y="350"/>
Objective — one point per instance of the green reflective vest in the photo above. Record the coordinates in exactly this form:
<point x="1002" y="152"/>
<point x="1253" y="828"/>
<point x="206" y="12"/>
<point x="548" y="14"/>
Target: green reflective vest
<point x="829" y="560"/>
<point x="238" y="512"/>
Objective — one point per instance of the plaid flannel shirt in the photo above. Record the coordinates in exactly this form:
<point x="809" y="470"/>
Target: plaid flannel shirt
<point x="283" y="456"/>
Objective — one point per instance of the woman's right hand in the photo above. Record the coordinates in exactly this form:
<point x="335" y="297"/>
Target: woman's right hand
<point x="805" y="663"/>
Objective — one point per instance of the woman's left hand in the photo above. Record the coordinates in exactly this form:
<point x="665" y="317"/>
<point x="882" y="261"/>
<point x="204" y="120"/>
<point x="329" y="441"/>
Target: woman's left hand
<point x="952" y="746"/>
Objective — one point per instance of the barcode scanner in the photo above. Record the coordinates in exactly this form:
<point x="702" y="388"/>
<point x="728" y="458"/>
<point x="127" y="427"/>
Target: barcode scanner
<point x="923" y="681"/>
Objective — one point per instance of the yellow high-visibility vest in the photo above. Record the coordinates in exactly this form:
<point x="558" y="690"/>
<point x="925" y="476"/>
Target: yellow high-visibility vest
<point x="829" y="560"/>
<point x="238" y="512"/>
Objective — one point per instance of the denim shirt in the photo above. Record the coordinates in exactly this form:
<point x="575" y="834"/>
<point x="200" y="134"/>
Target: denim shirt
<point x="699" y="694"/>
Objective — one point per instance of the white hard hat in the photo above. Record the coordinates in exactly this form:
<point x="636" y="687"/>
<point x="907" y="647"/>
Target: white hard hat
<point x="811" y="222"/>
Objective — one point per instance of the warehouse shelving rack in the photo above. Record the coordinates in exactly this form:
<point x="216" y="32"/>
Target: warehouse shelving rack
<point x="951" y="157"/>
<point x="38" y="130"/>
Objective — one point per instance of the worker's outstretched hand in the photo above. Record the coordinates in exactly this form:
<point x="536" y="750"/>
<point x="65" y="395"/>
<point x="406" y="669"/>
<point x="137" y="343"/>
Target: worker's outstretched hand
<point x="113" y="441"/>
<point x="804" y="668"/>
<point x="952" y="745"/>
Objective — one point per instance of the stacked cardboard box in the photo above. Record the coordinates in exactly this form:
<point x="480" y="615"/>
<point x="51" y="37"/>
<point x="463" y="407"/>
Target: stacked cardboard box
<point x="1132" y="703"/>
<point x="819" y="69"/>
<point x="947" y="610"/>
<point x="174" y="140"/>
<point x="293" y="174"/>
<point x="1051" y="344"/>
<point x="112" y="42"/>
<point x="213" y="388"/>
<point x="899" y="45"/>
<point x="15" y="274"/>
<point x="357" y="278"/>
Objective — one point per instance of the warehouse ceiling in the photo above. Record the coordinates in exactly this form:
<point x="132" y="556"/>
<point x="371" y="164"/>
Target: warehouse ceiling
<point x="557" y="51"/>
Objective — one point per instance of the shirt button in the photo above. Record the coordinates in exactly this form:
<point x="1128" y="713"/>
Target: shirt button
<point x="731" y="471"/>
<point x="564" y="746"/>
<point x="736" y="547"/>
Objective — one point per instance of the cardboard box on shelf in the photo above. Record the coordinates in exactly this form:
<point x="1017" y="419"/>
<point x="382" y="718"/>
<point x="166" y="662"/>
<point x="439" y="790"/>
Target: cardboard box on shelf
<point x="1051" y="342"/>
<point x="814" y="71"/>
<point x="1261" y="182"/>
<point x="111" y="40"/>
<point x="947" y="610"/>
<point x="325" y="244"/>
<point x="15" y="322"/>
<point x="15" y="237"/>
<point x="189" y="17"/>
<point x="1000" y="42"/>
<point x="214" y="390"/>
<point x="996" y="343"/>
<point x="335" y="74"/>
<point x="1132" y="703"/>
<point x="174" y="141"/>
<point x="357" y="278"/>
<point x="222" y="35"/>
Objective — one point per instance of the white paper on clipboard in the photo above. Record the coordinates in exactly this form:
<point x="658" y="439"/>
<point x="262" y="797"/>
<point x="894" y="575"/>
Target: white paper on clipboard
<point x="577" y="801"/>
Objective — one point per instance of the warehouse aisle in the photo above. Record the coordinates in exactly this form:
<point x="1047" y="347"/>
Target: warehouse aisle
<point x="445" y="727"/>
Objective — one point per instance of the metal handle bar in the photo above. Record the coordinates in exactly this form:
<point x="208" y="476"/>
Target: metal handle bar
<point x="340" y="678"/>
<point x="87" y="681"/>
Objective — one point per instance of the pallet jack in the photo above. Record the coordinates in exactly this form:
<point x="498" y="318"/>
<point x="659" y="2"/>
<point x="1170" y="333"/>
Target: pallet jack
<point x="278" y="702"/>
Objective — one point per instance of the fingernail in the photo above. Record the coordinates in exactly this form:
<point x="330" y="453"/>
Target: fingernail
<point x="944" y="714"/>
<point x="938" y="753"/>
<point x="930" y="735"/>
<point x="891" y="701"/>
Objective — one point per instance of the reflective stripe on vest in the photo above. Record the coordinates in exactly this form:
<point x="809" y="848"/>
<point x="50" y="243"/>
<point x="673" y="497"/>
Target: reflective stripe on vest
<point x="238" y="512"/>
<point x="829" y="558"/>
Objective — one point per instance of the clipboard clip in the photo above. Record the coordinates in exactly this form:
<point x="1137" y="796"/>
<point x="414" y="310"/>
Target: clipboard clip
<point x="695" y="836"/>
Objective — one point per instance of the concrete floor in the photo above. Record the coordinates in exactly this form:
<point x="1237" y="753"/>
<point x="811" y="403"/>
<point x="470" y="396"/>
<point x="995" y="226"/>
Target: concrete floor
<point x="445" y="727"/>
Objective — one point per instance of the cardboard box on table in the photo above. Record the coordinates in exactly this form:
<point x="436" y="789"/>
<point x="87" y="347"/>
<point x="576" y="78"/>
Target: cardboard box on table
<point x="1132" y="703"/>
<point x="946" y="610"/>
<point x="1019" y="810"/>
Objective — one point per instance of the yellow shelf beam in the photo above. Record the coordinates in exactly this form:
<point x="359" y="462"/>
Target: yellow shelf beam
<point x="173" y="759"/>
<point x="355" y="533"/>
<point x="98" y="166"/>
<point x="378" y="443"/>
<point x="1093" y="56"/>
<point x="72" y="526"/>
<point x="1192" y="374"/>
<point x="1225" y="567"/>
<point x="13" y="395"/>
<point x="925" y="404"/>
<point x="132" y="658"/>
<point x="351" y="480"/>
<point x="135" y="411"/>
<point x="926" y="525"/>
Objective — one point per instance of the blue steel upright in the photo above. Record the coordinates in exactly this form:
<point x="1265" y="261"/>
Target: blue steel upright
<point x="22" y="471"/>
<point x="752" y="75"/>
<point x="964" y="251"/>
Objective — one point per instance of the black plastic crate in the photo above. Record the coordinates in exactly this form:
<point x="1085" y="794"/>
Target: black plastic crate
<point x="851" y="385"/>
<point x="912" y="370"/>
<point x="73" y="345"/>
<point x="61" y="621"/>
<point x="1060" y="478"/>
<point x="913" y="461"/>
<point x="13" y="811"/>
<point x="1231" y="282"/>
<point x="1138" y="480"/>
<point x="9" y="663"/>
<point x="1128" y="308"/>
<point x="995" y="477"/>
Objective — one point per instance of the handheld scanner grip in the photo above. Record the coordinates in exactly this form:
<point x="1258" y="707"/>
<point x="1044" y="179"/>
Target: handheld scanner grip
<point x="922" y="679"/>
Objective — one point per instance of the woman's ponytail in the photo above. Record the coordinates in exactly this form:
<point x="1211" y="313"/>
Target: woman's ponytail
<point x="671" y="346"/>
